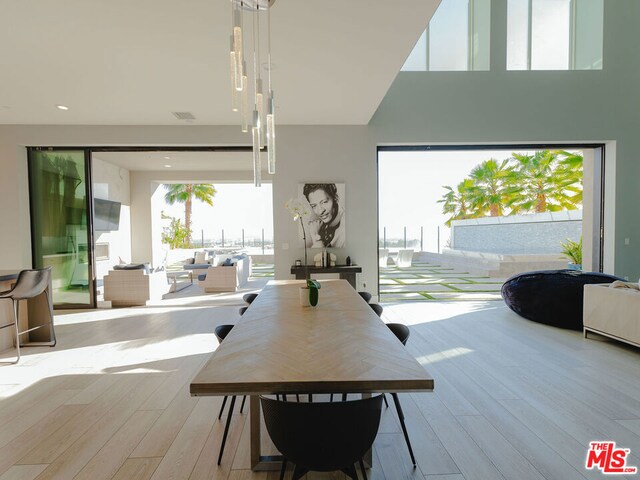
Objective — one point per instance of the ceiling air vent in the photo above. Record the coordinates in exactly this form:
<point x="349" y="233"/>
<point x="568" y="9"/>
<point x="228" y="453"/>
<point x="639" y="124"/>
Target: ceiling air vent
<point x="184" y="115"/>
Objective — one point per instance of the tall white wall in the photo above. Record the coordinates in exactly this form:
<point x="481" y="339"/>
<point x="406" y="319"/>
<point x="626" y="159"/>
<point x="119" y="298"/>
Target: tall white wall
<point x="505" y="107"/>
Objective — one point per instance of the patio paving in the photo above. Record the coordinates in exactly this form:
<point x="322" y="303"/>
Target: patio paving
<point x="429" y="282"/>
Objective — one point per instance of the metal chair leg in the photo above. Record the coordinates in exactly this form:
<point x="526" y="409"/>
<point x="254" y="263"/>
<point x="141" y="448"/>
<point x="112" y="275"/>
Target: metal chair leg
<point x="384" y="397"/>
<point x="224" y="402"/>
<point x="226" y="428"/>
<point x="283" y="468"/>
<point x="331" y="398"/>
<point x="244" y="399"/>
<point x="344" y="397"/>
<point x="53" y="330"/>
<point x="15" y="319"/>
<point x="396" y="400"/>
<point x="364" y="472"/>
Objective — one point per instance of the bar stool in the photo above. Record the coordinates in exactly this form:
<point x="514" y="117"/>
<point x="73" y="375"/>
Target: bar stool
<point x="30" y="284"/>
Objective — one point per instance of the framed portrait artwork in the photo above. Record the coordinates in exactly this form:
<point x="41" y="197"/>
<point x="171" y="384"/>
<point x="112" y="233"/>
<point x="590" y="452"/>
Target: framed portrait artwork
<point x="325" y="225"/>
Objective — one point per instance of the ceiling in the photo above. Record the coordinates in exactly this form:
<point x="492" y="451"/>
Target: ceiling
<point x="133" y="62"/>
<point x="183" y="161"/>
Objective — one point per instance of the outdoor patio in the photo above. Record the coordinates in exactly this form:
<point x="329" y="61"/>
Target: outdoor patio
<point x="429" y="282"/>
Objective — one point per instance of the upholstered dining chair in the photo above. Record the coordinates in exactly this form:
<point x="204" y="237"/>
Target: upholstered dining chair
<point x="402" y="333"/>
<point x="221" y="332"/>
<point x="376" y="308"/>
<point x="366" y="296"/>
<point x="248" y="298"/>
<point x="30" y="284"/>
<point x="323" y="436"/>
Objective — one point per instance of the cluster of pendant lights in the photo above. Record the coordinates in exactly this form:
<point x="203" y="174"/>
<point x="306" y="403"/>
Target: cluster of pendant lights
<point x="260" y="120"/>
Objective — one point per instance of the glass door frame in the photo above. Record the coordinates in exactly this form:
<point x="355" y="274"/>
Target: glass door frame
<point x="91" y="273"/>
<point x="598" y="148"/>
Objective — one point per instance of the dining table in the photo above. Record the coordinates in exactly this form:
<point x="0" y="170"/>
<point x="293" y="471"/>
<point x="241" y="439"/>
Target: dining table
<point x="281" y="347"/>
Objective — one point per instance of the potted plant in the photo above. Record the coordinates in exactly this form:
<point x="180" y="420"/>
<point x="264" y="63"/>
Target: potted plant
<point x="308" y="293"/>
<point x="573" y="251"/>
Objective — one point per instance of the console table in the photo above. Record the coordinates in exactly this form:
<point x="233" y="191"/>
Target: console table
<point x="346" y="272"/>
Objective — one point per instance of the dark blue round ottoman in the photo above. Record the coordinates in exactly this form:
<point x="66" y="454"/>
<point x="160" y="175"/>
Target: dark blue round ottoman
<point x="552" y="297"/>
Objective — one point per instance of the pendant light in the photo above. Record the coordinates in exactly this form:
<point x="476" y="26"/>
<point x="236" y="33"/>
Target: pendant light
<point x="247" y="88"/>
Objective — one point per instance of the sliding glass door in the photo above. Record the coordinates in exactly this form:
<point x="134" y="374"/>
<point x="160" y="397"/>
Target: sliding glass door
<point x="61" y="232"/>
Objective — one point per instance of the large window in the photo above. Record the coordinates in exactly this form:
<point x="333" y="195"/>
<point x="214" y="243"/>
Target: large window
<point x="457" y="38"/>
<point x="554" y="34"/>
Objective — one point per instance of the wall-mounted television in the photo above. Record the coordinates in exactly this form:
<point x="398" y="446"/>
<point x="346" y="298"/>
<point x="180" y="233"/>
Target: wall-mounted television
<point x="106" y="215"/>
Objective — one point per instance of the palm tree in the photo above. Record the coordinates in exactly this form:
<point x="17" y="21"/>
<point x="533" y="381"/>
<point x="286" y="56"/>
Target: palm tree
<point x="494" y="187"/>
<point x="550" y="181"/>
<point x="184" y="193"/>
<point x="458" y="202"/>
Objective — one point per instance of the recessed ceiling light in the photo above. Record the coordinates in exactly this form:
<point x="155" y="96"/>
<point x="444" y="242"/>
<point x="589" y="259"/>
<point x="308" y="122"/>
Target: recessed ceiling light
<point x="167" y="166"/>
<point x="167" y="158"/>
<point x="62" y="107"/>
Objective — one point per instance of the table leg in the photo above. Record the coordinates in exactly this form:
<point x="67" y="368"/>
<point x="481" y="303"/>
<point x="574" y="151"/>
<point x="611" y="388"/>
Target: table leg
<point x="259" y="462"/>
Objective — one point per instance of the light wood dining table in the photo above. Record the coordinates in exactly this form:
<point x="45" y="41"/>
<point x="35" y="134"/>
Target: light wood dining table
<point x="281" y="347"/>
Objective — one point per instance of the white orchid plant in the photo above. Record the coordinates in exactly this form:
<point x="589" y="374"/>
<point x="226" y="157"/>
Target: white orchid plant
<point x="299" y="208"/>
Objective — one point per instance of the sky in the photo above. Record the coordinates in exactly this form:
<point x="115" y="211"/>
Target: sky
<point x="411" y="184"/>
<point x="235" y="206"/>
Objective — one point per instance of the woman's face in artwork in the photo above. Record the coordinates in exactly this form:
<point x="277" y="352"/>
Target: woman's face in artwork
<point x="322" y="205"/>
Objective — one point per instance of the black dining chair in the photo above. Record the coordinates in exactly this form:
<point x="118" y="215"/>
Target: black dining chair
<point x="248" y="298"/>
<point x="323" y="436"/>
<point x="376" y="308"/>
<point x="366" y="296"/>
<point x="402" y="333"/>
<point x="30" y="284"/>
<point x="221" y="332"/>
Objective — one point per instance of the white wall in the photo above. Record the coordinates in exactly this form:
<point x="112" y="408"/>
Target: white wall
<point x="333" y="154"/>
<point x="111" y="182"/>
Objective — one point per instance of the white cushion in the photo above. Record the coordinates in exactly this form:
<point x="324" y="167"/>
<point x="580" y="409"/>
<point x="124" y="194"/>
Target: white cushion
<point x="200" y="258"/>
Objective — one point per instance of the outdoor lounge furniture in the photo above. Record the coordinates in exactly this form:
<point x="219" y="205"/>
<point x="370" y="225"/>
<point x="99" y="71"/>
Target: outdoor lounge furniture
<point x="551" y="297"/>
<point x="323" y="436"/>
<point x="134" y="285"/>
<point x="383" y="257"/>
<point x="404" y="258"/>
<point x="226" y="278"/>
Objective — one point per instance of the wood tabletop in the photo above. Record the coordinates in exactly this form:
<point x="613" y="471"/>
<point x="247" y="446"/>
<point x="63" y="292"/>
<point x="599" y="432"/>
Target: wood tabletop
<point x="340" y="346"/>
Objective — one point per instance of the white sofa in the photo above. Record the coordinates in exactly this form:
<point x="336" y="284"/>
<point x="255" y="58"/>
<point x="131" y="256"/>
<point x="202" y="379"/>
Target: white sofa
<point x="613" y="312"/>
<point x="129" y="288"/>
<point x="220" y="278"/>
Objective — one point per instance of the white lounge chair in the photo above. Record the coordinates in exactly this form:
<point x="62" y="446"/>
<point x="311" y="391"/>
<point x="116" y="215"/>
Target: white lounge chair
<point x="404" y="259"/>
<point x="383" y="256"/>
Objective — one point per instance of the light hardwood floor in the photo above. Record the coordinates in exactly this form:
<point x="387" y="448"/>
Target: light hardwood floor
<point x="513" y="399"/>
